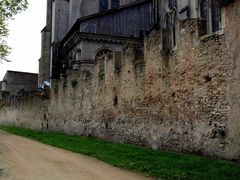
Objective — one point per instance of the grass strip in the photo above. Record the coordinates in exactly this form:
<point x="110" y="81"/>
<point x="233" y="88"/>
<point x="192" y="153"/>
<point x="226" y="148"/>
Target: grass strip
<point x="164" y="165"/>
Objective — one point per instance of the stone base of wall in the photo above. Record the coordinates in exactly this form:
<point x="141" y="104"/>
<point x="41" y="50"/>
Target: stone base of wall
<point x="174" y="101"/>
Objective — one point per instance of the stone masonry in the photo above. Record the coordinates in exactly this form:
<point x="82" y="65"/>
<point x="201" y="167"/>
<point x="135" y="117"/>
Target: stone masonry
<point x="177" y="101"/>
<point x="185" y="99"/>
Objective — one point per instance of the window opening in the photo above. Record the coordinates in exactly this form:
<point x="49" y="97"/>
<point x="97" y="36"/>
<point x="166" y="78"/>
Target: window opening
<point x="114" y="3"/>
<point x="103" y="5"/>
<point x="101" y="57"/>
<point x="211" y="15"/>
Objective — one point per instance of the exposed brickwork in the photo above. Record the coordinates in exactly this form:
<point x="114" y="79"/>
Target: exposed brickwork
<point x="178" y="101"/>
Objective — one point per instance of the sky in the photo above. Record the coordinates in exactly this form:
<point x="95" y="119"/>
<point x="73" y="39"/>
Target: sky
<point x="25" y="39"/>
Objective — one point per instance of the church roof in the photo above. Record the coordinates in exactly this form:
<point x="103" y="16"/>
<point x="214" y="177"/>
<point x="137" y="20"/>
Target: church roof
<point x="120" y="12"/>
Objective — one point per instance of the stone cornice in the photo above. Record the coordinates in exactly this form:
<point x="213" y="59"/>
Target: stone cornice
<point x="92" y="37"/>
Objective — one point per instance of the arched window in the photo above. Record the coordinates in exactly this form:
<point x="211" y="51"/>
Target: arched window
<point x="170" y="20"/>
<point x="101" y="58"/>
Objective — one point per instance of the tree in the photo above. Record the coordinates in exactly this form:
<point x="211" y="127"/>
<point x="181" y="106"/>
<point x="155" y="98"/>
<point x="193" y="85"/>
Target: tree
<point x="8" y="8"/>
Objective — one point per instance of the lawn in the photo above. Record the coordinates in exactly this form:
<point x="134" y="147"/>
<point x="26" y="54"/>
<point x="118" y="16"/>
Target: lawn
<point x="164" y="165"/>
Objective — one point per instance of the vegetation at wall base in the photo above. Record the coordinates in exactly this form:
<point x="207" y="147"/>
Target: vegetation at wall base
<point x="163" y="165"/>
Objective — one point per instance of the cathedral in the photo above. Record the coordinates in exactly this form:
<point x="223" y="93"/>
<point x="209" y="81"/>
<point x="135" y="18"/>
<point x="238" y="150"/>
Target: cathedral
<point x="81" y="32"/>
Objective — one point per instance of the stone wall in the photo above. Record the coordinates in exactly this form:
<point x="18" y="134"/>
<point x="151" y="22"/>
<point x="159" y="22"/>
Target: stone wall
<point x="27" y="112"/>
<point x="175" y="101"/>
<point x="233" y="42"/>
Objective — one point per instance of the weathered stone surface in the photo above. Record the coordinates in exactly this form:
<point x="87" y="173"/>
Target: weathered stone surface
<point x="232" y="33"/>
<point x="184" y="100"/>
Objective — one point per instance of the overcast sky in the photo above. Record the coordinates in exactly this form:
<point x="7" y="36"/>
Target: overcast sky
<point x="25" y="39"/>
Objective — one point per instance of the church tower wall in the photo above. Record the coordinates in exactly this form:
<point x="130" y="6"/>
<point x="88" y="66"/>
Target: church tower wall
<point x="74" y="11"/>
<point x="81" y="8"/>
<point x="60" y="19"/>
<point x="60" y="27"/>
<point x="44" y="62"/>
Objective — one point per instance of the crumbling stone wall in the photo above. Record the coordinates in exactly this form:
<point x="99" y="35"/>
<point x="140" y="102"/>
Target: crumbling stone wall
<point x="24" y="112"/>
<point x="233" y="42"/>
<point x="176" y="100"/>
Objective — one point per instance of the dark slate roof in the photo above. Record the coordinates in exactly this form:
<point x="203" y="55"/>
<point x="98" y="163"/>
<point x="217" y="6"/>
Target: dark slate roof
<point x="112" y="11"/>
<point x="76" y="26"/>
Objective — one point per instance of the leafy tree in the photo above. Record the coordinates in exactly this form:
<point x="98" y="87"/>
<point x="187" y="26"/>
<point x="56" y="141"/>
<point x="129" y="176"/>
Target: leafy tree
<point x="8" y="8"/>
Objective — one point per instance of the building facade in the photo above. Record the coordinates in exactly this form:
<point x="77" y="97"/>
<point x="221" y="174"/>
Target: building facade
<point x="61" y="16"/>
<point x="17" y="84"/>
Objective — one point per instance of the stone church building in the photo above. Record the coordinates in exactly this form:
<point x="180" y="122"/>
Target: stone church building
<point x="78" y="32"/>
<point x="157" y="73"/>
<point x="96" y="25"/>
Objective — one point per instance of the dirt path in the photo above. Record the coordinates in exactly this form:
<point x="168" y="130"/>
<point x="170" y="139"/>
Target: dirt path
<point x="24" y="159"/>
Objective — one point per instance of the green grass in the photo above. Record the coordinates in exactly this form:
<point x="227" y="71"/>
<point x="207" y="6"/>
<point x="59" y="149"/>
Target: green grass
<point x="164" y="165"/>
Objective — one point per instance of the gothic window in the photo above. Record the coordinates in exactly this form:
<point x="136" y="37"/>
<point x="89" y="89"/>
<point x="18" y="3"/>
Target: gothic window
<point x="170" y="19"/>
<point x="103" y="5"/>
<point x="216" y="15"/>
<point x="173" y="7"/>
<point x="101" y="72"/>
<point x="138" y="62"/>
<point x="117" y="62"/>
<point x="101" y="58"/>
<point x="211" y="14"/>
<point x="173" y="34"/>
<point x="204" y="9"/>
<point x="114" y="3"/>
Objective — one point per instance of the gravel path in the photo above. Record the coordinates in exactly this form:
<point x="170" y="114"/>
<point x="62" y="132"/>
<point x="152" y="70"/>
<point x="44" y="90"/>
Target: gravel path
<point x="25" y="159"/>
